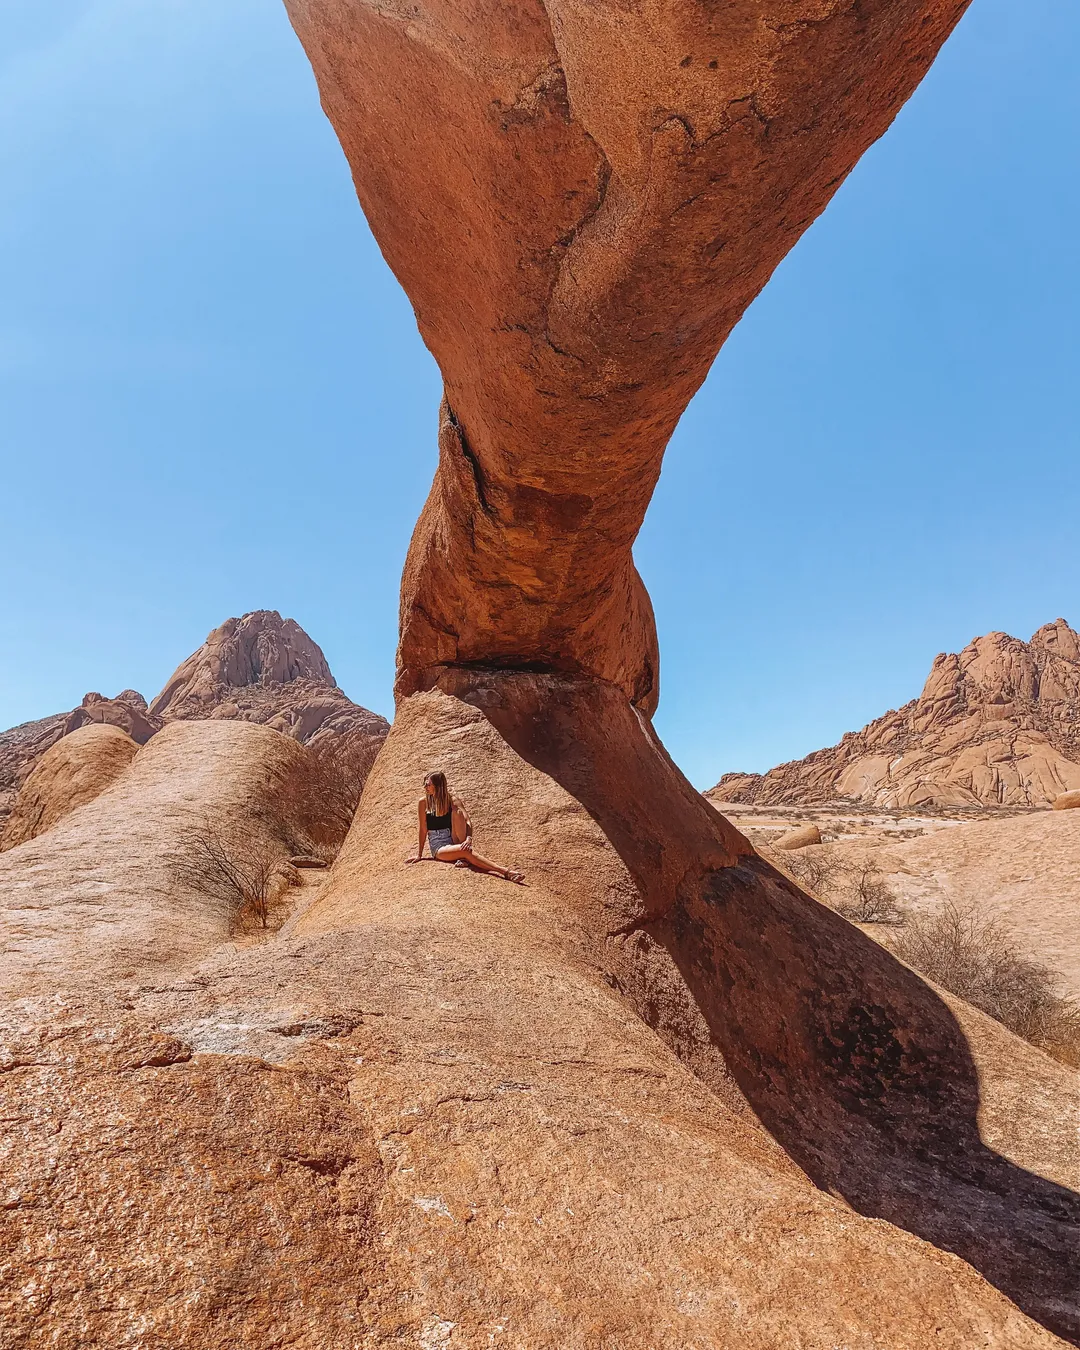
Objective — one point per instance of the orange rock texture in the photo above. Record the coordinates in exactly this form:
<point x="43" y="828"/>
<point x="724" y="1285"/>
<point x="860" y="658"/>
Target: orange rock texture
<point x="996" y="725"/>
<point x="658" y="1098"/>
<point x="581" y="197"/>
<point x="77" y="769"/>
<point x="652" y="1100"/>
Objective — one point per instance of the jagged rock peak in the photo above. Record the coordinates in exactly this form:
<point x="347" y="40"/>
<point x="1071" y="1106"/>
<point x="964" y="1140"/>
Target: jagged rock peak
<point x="260" y="649"/>
<point x="997" y="724"/>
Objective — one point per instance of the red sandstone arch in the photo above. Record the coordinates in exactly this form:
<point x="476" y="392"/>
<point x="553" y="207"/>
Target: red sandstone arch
<point x="581" y="197"/>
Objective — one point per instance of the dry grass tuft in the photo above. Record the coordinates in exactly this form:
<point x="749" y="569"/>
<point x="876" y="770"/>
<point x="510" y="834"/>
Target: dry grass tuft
<point x="974" y="958"/>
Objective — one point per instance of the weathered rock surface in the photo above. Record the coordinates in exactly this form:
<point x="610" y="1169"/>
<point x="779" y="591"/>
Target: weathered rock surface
<point x="127" y="710"/>
<point x="78" y="768"/>
<point x="20" y="749"/>
<point x="996" y="725"/>
<point x="97" y="897"/>
<point x="659" y="1098"/>
<point x="258" y="668"/>
<point x="1068" y="801"/>
<point x="23" y="746"/>
<point x="581" y="199"/>
<point x="432" y="1112"/>
<point x="263" y="668"/>
<point x="803" y="837"/>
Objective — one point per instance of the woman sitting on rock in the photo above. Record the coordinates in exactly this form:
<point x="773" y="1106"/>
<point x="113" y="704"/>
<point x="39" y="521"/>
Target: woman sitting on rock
<point x="442" y="819"/>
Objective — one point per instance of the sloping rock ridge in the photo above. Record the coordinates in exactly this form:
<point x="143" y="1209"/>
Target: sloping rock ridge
<point x="257" y="668"/>
<point x="74" y="771"/>
<point x="997" y="724"/>
<point x="23" y="746"/>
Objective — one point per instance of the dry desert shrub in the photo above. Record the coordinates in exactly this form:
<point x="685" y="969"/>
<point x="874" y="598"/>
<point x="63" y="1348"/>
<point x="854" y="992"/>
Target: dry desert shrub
<point x="857" y="890"/>
<point x="974" y="958"/>
<point x="320" y="795"/>
<point x="241" y="871"/>
<point x="820" y="873"/>
<point x="869" y="898"/>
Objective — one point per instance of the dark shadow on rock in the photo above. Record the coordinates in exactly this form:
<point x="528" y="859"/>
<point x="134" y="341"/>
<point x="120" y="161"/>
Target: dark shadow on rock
<point x="852" y="1063"/>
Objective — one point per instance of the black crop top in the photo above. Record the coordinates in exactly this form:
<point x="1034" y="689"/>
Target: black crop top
<point x="439" y="822"/>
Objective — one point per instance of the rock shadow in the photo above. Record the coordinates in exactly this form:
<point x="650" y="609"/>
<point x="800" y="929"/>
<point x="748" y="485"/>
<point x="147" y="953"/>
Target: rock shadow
<point x="851" y="1062"/>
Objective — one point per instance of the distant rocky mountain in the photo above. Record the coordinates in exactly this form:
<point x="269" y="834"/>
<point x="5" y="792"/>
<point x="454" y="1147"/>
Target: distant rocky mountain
<point x="258" y="668"/>
<point x="997" y="724"/>
<point x="263" y="668"/>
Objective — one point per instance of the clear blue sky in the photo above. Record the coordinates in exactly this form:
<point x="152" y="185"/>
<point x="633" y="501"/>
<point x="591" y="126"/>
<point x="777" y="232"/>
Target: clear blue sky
<point x="213" y="397"/>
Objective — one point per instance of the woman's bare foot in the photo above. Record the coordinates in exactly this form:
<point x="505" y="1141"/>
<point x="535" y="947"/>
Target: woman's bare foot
<point x="462" y="863"/>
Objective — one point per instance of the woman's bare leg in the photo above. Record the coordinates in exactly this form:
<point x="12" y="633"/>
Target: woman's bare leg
<point x="461" y="853"/>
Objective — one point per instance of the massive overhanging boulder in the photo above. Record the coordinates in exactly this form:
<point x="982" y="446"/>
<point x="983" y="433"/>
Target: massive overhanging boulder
<point x="581" y="197"/>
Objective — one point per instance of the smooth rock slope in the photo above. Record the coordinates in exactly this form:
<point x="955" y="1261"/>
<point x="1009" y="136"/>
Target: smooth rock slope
<point x="74" y="771"/>
<point x="258" y="668"/>
<point x="97" y="898"/>
<point x="441" y="1110"/>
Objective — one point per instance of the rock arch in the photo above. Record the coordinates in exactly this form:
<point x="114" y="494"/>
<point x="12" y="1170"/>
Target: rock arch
<point x="581" y="197"/>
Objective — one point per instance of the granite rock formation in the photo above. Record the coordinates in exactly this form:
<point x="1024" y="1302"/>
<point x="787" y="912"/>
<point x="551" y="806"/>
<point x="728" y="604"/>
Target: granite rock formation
<point x="660" y="1098"/>
<point x="996" y="725"/>
<point x="581" y="199"/>
<point x="78" y="768"/>
<point x="22" y="747"/>
<point x="440" y="1110"/>
<point x="263" y="668"/>
<point x="1068" y="801"/>
<point x="99" y="899"/>
<point x="127" y="711"/>
<point x="258" y="668"/>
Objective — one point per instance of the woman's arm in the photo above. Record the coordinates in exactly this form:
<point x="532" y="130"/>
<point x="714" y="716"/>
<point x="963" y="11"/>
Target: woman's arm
<point x="461" y="825"/>
<point x="421" y="814"/>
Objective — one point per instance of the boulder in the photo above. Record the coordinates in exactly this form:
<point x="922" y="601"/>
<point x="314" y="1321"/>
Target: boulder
<point x="128" y="711"/>
<point x="800" y="838"/>
<point x="78" y="768"/>
<point x="1067" y="801"/>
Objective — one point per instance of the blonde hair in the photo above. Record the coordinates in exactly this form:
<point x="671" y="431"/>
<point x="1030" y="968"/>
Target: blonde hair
<point x="437" y="788"/>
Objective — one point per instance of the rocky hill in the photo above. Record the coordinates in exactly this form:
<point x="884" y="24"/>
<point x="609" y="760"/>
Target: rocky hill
<point x="997" y="724"/>
<point x="263" y="668"/>
<point x="257" y="668"/>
